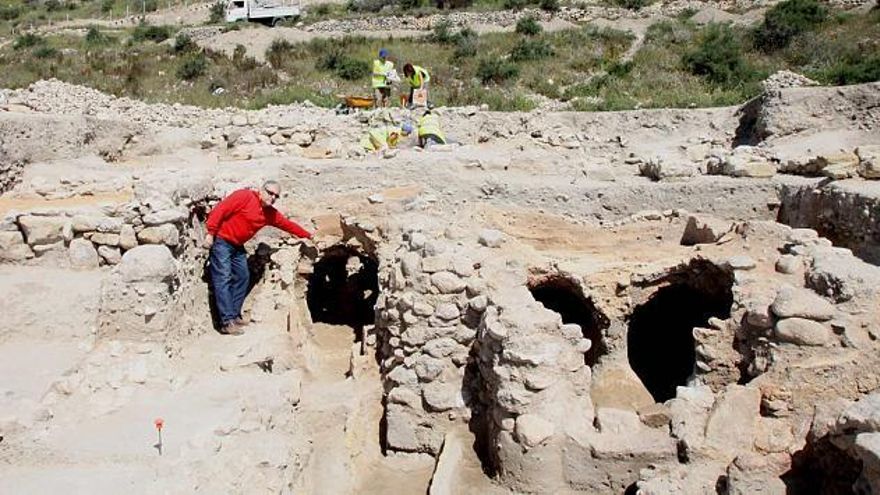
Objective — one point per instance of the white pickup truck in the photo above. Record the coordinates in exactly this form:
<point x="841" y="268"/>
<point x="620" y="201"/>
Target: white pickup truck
<point x="270" y="12"/>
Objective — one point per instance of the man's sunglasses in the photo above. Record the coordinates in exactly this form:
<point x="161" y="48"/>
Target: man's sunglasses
<point x="273" y="194"/>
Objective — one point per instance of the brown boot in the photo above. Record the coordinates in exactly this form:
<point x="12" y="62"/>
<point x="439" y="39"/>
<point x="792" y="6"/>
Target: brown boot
<point x="230" y="328"/>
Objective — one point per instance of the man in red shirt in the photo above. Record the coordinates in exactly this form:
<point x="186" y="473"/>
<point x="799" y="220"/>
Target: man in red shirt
<point x="230" y="225"/>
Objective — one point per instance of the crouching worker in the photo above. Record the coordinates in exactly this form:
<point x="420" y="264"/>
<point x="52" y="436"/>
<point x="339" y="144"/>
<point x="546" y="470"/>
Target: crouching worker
<point x="430" y="131"/>
<point x="385" y="138"/>
<point x="230" y="225"/>
<point x="418" y="78"/>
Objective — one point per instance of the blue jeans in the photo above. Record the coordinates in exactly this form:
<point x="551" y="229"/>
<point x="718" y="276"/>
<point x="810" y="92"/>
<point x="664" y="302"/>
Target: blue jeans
<point x="230" y="278"/>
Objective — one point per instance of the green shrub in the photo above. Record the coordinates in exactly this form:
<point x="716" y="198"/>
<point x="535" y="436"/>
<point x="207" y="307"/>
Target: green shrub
<point x="368" y="5"/>
<point x="466" y="42"/>
<point x="631" y="4"/>
<point x="515" y="4"/>
<point x="785" y="21"/>
<point x="45" y="51"/>
<point x="411" y="4"/>
<point x="192" y="67"/>
<point x="528" y="26"/>
<point x="150" y="5"/>
<point x="217" y="13"/>
<point x="526" y="50"/>
<point x="277" y="52"/>
<point x="28" y="40"/>
<point x="147" y="32"/>
<point x="352" y="69"/>
<point x="9" y="12"/>
<point x="241" y="61"/>
<point x="718" y="56"/>
<point x="107" y="5"/>
<point x="549" y="5"/>
<point x="52" y="5"/>
<point x="495" y="70"/>
<point x="855" y="69"/>
<point x="442" y="33"/>
<point x="94" y="37"/>
<point x="321" y="9"/>
<point x="183" y="43"/>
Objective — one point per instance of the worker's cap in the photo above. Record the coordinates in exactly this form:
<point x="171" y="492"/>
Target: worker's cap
<point x="407" y="128"/>
<point x="383" y="52"/>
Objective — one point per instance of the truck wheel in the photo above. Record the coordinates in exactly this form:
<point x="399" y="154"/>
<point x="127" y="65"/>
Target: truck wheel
<point x="277" y="21"/>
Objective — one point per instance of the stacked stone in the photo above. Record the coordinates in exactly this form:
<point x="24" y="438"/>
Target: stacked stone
<point x="536" y="389"/>
<point x="100" y="236"/>
<point x="427" y="323"/>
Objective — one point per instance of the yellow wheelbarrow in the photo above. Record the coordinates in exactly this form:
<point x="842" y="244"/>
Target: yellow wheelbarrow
<point x="357" y="101"/>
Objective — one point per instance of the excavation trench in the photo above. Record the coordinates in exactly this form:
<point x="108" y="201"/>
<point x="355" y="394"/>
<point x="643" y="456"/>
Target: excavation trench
<point x="660" y="341"/>
<point x="343" y="288"/>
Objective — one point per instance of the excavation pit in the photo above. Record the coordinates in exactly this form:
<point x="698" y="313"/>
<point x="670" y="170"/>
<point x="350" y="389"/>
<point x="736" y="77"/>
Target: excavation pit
<point x="563" y="296"/>
<point x="343" y="288"/>
<point x="660" y="341"/>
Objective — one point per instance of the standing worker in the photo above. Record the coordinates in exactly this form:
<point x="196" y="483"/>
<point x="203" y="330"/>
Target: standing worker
<point x="382" y="68"/>
<point x="429" y="130"/>
<point x="230" y="225"/>
<point x="418" y="78"/>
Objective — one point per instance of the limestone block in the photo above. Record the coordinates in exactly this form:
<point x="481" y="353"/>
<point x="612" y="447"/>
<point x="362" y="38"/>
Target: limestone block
<point x="433" y="264"/>
<point x="110" y="255"/>
<point x="795" y="302"/>
<point x="147" y="263"/>
<point x="788" y="264"/>
<point x="429" y="368"/>
<point x="442" y="347"/>
<point x="733" y="420"/>
<point x="405" y="396"/>
<point x="657" y="169"/>
<point x="748" y="166"/>
<point x="838" y="165"/>
<point x="99" y="223"/>
<point x="82" y="254"/>
<point x="617" y="421"/>
<point x="704" y="229"/>
<point x="42" y="230"/>
<point x="447" y="311"/>
<point x="441" y="396"/>
<point x="863" y="415"/>
<point x="801" y="331"/>
<point x="752" y="474"/>
<point x="127" y="237"/>
<point x="161" y="234"/>
<point x="170" y="215"/>
<point x="403" y="376"/>
<point x="867" y="448"/>
<point x="491" y="238"/>
<point x="532" y="430"/>
<point x="618" y="386"/>
<point x="447" y="282"/>
<point x="869" y="161"/>
<point x="534" y="350"/>
<point x="104" y="239"/>
<point x="13" y="247"/>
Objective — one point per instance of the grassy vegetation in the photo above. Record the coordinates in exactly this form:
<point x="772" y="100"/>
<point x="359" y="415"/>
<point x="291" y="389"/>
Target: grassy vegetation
<point x="679" y="65"/>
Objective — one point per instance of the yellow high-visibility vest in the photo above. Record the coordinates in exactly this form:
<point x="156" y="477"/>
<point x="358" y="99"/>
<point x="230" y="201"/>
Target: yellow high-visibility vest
<point x="430" y="124"/>
<point x="379" y="71"/>
<point x="375" y="138"/>
<point x="420" y="76"/>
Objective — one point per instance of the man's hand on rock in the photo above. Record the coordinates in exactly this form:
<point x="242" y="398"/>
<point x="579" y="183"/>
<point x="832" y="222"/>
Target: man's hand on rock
<point x="208" y="241"/>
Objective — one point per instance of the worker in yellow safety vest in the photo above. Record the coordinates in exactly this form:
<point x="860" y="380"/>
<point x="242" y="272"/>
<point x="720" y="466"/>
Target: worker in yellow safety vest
<point x="417" y="77"/>
<point x="430" y="131"/>
<point x="385" y="137"/>
<point x="382" y="68"/>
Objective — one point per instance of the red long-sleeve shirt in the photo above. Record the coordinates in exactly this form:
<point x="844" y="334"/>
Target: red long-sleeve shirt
<point x="240" y="215"/>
